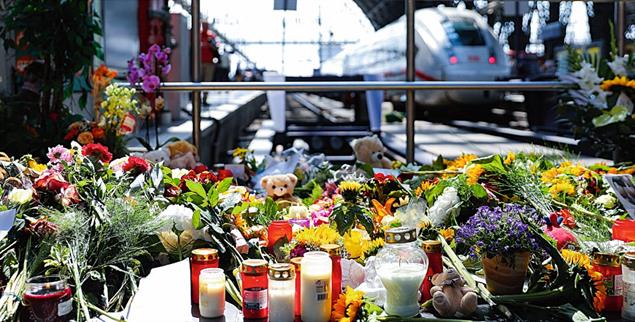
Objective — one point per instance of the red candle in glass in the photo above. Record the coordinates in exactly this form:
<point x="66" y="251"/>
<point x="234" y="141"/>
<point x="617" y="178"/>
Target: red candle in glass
<point x="253" y="274"/>
<point x="278" y="229"/>
<point x="432" y="248"/>
<point x="336" y="261"/>
<point x="297" y="262"/>
<point x="49" y="298"/>
<point x="201" y="259"/>
<point x="609" y="266"/>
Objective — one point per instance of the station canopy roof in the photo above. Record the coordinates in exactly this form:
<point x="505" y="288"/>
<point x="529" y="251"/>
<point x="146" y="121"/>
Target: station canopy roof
<point x="383" y="12"/>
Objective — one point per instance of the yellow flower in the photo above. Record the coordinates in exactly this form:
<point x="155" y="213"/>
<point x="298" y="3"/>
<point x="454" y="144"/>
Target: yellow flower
<point x="240" y="153"/>
<point x="461" y="161"/>
<point x="549" y="175"/>
<point x="347" y="305"/>
<point x="85" y="138"/>
<point x="623" y="81"/>
<point x="317" y="236"/>
<point x="447" y="233"/>
<point x="581" y="260"/>
<point x="352" y="186"/>
<point x="423" y="187"/>
<point x="561" y="186"/>
<point x="20" y="196"/>
<point x="574" y="258"/>
<point x="510" y="158"/>
<point x="474" y="172"/>
<point x="37" y="167"/>
<point x="355" y="242"/>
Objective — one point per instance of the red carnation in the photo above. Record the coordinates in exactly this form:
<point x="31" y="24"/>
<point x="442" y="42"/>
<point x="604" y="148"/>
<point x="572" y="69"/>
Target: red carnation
<point x="136" y="165"/>
<point x="224" y="173"/>
<point x="97" y="151"/>
<point x="382" y="178"/>
<point x="207" y="177"/>
<point x="200" y="168"/>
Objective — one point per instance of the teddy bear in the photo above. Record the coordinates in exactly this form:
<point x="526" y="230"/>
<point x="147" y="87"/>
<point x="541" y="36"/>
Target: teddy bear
<point x="280" y="187"/>
<point x="370" y="150"/>
<point x="157" y="156"/>
<point x="450" y="295"/>
<point x="183" y="155"/>
<point x="182" y="147"/>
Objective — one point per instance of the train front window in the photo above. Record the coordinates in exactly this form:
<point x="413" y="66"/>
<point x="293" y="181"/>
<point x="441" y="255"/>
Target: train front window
<point x="463" y="32"/>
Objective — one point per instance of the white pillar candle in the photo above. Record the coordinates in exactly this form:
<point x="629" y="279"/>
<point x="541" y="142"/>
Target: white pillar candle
<point x="402" y="283"/>
<point x="315" y="287"/>
<point x="211" y="293"/>
<point x="282" y="301"/>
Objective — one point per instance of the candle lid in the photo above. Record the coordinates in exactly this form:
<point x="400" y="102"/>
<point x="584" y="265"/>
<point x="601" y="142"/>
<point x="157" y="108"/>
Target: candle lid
<point x="281" y="272"/>
<point x="297" y="262"/>
<point x="331" y="249"/>
<point x="432" y="246"/>
<point x="204" y="254"/>
<point x="629" y="260"/>
<point x="254" y="266"/>
<point x="400" y="235"/>
<point x="605" y="259"/>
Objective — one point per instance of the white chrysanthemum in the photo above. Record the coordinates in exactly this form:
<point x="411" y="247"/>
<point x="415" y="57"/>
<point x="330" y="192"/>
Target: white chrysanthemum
<point x="20" y="196"/>
<point x="607" y="201"/>
<point x="440" y="211"/>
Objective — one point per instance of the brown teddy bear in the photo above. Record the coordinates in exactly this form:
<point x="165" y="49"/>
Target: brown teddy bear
<point x="280" y="187"/>
<point x="183" y="155"/>
<point x="370" y="150"/>
<point x="450" y="295"/>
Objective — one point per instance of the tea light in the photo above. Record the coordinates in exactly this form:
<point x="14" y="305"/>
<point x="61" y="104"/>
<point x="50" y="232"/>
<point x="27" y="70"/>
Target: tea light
<point x="315" y="289"/>
<point x="281" y="293"/>
<point x="212" y="293"/>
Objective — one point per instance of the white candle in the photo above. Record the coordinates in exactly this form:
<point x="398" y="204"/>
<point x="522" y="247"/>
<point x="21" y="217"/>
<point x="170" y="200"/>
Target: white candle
<point x="402" y="283"/>
<point x="282" y="301"/>
<point x="315" y="287"/>
<point x="211" y="293"/>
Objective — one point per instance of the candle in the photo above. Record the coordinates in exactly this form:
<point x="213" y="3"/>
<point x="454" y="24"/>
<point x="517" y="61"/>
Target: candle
<point x="281" y="293"/>
<point x="297" y="263"/>
<point x="49" y="298"/>
<point x="211" y="293"/>
<point x="402" y="282"/>
<point x="628" y="269"/>
<point x="336" y="269"/>
<point x="254" y="281"/>
<point x="315" y="287"/>
<point x="201" y="259"/>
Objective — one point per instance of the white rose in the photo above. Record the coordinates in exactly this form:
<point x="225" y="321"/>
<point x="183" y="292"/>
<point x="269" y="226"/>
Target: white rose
<point x="439" y="212"/>
<point x="20" y="196"/>
<point x="177" y="216"/>
<point x="178" y="173"/>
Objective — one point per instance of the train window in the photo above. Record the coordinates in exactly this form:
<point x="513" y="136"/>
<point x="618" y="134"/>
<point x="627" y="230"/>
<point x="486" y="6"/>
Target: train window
<point x="462" y="32"/>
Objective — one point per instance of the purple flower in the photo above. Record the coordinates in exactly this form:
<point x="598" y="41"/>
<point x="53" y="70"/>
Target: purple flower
<point x="166" y="69"/>
<point x="154" y="49"/>
<point x="151" y="83"/>
<point x="147" y="60"/>
<point x="162" y="58"/>
<point x="133" y="72"/>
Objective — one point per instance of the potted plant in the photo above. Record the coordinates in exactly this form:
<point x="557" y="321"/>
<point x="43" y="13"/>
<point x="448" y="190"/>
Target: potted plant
<point x="503" y="242"/>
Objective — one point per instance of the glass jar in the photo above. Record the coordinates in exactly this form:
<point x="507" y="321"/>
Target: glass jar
<point x="624" y="229"/>
<point x="297" y="263"/>
<point x="278" y="229"/>
<point x="401" y="266"/>
<point x="200" y="259"/>
<point x="253" y="274"/>
<point x="212" y="293"/>
<point x="609" y="266"/>
<point x="432" y="248"/>
<point x="49" y="298"/>
<point x="628" y="278"/>
<point x="334" y="251"/>
<point x="315" y="287"/>
<point x="281" y="292"/>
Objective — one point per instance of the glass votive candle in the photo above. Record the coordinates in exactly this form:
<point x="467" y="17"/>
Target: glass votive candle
<point x="278" y="229"/>
<point x="281" y="293"/>
<point x="49" y="298"/>
<point x="316" y="287"/>
<point x="211" y="292"/>
<point x="253" y="275"/>
<point x="297" y="263"/>
<point x="200" y="259"/>
<point x="334" y="251"/>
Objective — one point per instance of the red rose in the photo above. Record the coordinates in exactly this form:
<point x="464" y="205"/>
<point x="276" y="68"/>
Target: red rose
<point x="97" y="151"/>
<point x="52" y="182"/>
<point x="200" y="168"/>
<point x="136" y="165"/>
<point x="223" y="173"/>
<point x="207" y="177"/>
<point x="71" y="134"/>
<point x="382" y="178"/>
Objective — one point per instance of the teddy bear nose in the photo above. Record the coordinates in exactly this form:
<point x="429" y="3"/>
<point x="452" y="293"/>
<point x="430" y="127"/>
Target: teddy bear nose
<point x="380" y="156"/>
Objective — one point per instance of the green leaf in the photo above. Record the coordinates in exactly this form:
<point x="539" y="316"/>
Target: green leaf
<point x="617" y="114"/>
<point x="478" y="191"/>
<point x="224" y="185"/>
<point x="366" y="220"/>
<point x="196" y="219"/>
<point x="316" y="194"/>
<point x="492" y="163"/>
<point x="196" y="187"/>
<point x="343" y="219"/>
<point x="240" y="208"/>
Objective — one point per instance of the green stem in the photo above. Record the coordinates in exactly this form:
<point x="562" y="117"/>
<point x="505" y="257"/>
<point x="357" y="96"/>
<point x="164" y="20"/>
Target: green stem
<point x="102" y="312"/>
<point x="581" y="209"/>
<point x="78" y="287"/>
<point x="547" y="295"/>
<point x="400" y="319"/>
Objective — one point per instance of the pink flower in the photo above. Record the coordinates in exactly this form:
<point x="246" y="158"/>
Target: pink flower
<point x="68" y="196"/>
<point x="154" y="49"/>
<point x="59" y="153"/>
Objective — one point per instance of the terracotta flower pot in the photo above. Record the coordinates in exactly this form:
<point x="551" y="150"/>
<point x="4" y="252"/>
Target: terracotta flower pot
<point x="504" y="277"/>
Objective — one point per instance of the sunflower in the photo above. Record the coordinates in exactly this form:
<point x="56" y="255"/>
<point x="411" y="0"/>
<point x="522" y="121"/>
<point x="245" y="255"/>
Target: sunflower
<point x="583" y="262"/>
<point x="473" y="173"/>
<point x="549" y="175"/>
<point x="510" y="158"/>
<point x="622" y="81"/>
<point x="316" y="236"/>
<point x="347" y="305"/>
<point x="349" y="189"/>
<point x="358" y="243"/>
<point x="425" y="186"/>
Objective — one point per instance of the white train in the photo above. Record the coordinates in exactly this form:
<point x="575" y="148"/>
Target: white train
<point x="451" y="45"/>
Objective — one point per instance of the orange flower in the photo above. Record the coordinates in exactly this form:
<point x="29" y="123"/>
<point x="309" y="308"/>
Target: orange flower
<point x="622" y="81"/>
<point x="347" y="305"/>
<point x="447" y="233"/>
<point x="98" y="132"/>
<point x="85" y="138"/>
<point x="102" y="76"/>
<point x="382" y="211"/>
<point x="474" y="172"/>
